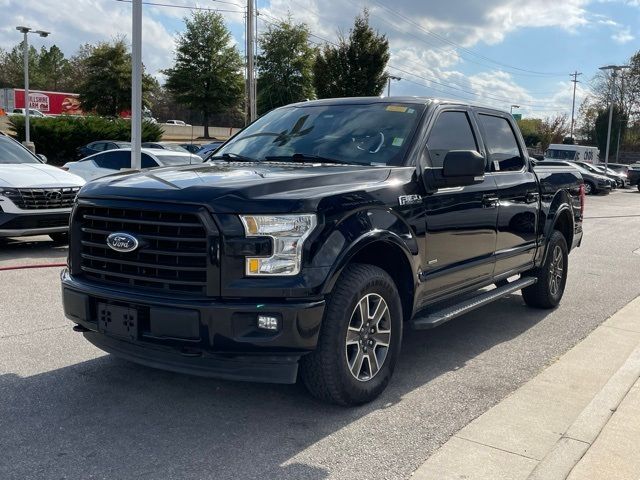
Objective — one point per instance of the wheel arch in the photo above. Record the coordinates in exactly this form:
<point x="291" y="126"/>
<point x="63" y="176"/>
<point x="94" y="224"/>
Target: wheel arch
<point x="560" y="218"/>
<point x="388" y="252"/>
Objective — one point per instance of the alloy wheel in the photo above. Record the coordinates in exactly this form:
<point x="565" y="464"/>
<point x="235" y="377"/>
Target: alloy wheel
<point x="368" y="337"/>
<point x="556" y="271"/>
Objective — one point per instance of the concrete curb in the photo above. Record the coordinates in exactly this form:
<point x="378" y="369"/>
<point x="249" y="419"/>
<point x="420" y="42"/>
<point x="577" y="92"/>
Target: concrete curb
<point x="542" y="430"/>
<point x="575" y="442"/>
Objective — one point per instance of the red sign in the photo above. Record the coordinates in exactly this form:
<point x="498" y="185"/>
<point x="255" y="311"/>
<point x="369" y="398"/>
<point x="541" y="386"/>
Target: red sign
<point x="51" y="103"/>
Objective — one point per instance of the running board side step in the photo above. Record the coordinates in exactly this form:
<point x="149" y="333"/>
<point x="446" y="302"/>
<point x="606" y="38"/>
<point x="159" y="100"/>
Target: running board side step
<point x="433" y="319"/>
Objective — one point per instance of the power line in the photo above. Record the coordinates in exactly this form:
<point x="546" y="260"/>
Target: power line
<point x="185" y="7"/>
<point x="542" y="105"/>
<point x="464" y="49"/>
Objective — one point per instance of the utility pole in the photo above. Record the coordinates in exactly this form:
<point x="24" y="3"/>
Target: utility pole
<point x="136" y="84"/>
<point x="251" y="88"/>
<point x="573" y="104"/>
<point x="614" y="73"/>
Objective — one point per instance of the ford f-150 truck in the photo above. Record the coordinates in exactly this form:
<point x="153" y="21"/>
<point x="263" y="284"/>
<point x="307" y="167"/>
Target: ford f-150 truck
<point x="311" y="240"/>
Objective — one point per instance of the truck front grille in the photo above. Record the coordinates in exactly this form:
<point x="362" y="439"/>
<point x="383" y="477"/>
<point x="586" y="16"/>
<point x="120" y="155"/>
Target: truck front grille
<point x="172" y="255"/>
<point x="42" y="198"/>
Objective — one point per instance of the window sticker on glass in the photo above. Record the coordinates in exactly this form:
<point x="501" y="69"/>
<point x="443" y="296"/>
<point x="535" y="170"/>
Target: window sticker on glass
<point x="397" y="141"/>
<point x="396" y="108"/>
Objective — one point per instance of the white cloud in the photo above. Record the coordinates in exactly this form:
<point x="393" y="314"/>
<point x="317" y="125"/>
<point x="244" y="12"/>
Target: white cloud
<point x="623" y="35"/>
<point x="91" y="21"/>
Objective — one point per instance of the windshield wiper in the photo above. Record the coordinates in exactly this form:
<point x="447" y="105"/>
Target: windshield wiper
<point x="308" y="157"/>
<point x="232" y="157"/>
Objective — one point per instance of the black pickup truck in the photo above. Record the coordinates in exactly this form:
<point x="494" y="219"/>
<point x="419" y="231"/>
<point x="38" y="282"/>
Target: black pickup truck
<point x="313" y="238"/>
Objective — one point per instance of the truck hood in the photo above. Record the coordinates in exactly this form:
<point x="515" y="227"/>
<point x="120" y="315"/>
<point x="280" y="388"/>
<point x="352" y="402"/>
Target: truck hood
<point x="36" y="175"/>
<point x="241" y="187"/>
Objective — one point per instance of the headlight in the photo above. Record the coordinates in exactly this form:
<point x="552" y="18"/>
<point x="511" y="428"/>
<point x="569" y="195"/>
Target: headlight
<point x="288" y="233"/>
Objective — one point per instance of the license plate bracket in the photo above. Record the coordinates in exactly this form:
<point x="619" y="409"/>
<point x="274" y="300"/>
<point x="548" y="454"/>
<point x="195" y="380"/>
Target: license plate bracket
<point x="118" y="321"/>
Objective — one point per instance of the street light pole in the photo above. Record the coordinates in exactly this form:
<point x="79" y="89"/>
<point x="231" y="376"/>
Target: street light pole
<point x="512" y="107"/>
<point x="136" y="84"/>
<point x="621" y="114"/>
<point x="389" y="78"/>
<point x="251" y="88"/>
<point x="614" y="73"/>
<point x="25" y="51"/>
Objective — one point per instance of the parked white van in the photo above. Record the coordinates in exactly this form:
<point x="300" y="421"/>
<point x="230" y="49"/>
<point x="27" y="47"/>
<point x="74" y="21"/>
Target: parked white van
<point x="576" y="153"/>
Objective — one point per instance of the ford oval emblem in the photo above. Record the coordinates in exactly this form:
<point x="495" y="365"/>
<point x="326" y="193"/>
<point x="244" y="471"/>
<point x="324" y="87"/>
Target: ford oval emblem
<point x="122" y="242"/>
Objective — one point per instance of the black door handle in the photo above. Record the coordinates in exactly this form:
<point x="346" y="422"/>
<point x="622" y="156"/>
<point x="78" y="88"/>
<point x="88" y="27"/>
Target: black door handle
<point x="531" y="197"/>
<point x="490" y="201"/>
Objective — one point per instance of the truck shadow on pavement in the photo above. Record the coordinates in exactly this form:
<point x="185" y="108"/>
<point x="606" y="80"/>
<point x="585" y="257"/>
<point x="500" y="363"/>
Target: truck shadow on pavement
<point x="107" y="418"/>
<point x="21" y="251"/>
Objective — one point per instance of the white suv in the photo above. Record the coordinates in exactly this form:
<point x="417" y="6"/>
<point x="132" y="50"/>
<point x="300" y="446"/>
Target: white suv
<point x="35" y="198"/>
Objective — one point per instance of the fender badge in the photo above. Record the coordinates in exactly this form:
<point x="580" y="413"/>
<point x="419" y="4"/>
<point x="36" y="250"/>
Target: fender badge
<point x="409" y="199"/>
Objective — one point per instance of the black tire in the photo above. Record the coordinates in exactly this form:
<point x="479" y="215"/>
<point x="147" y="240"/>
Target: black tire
<point x="589" y="188"/>
<point x="61" y="238"/>
<point x="542" y="294"/>
<point x="639" y="186"/>
<point x="326" y="371"/>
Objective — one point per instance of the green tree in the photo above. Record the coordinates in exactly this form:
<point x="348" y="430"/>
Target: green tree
<point x="207" y="74"/>
<point x="54" y="70"/>
<point x="553" y="130"/>
<point x="530" y="128"/>
<point x="356" y="66"/>
<point x="12" y="67"/>
<point x="285" y="66"/>
<point x="106" y="87"/>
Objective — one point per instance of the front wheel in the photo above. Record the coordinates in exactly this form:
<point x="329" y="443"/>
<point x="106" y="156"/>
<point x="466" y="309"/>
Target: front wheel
<point x="589" y="188"/>
<point x="552" y="275"/>
<point x="359" y="341"/>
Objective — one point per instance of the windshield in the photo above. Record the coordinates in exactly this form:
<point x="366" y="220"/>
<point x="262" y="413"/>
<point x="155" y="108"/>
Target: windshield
<point x="375" y="133"/>
<point x="581" y="169"/>
<point x="560" y="154"/>
<point x="173" y="147"/>
<point x="12" y="152"/>
<point x="178" y="159"/>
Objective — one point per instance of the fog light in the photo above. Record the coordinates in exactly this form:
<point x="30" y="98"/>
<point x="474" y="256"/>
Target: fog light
<point x="268" y="322"/>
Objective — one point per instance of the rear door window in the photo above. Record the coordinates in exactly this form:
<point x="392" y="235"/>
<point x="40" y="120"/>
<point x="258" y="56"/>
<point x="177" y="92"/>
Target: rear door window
<point x="97" y="146"/>
<point x="148" y="161"/>
<point x="113" y="160"/>
<point x="452" y="131"/>
<point x="502" y="146"/>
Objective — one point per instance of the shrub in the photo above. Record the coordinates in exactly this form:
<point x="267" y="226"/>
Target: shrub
<point x="59" y="137"/>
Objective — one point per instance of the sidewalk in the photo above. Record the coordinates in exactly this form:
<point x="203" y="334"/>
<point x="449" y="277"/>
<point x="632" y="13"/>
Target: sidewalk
<point x="579" y="419"/>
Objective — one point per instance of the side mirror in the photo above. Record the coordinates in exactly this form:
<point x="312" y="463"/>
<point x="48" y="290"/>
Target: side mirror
<point x="43" y="158"/>
<point x="459" y="169"/>
<point x="463" y="164"/>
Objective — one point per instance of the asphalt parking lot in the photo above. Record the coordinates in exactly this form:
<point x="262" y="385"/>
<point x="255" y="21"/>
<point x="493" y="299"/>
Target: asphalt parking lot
<point x="67" y="410"/>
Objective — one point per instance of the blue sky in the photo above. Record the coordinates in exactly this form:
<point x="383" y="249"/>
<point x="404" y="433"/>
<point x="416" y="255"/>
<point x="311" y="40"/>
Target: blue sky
<point x="481" y="50"/>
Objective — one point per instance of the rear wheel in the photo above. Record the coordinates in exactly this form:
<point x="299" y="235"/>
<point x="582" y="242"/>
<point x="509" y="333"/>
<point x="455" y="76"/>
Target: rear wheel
<point x="61" y="238"/>
<point x="359" y="340"/>
<point x="552" y="275"/>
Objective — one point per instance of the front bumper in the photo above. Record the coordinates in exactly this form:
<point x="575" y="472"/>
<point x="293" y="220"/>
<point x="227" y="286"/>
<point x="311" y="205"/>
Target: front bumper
<point x="24" y="224"/>
<point x="205" y="337"/>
